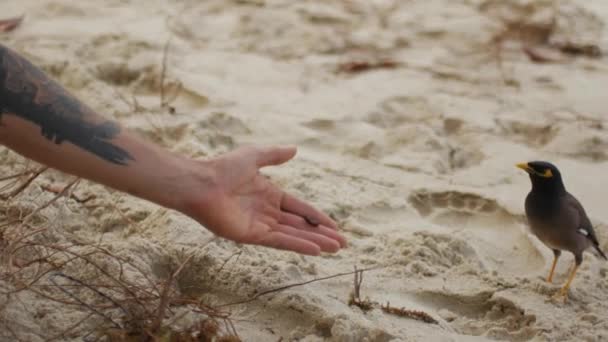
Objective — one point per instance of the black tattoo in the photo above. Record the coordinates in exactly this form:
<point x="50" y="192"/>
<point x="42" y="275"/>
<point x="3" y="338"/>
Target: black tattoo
<point x="25" y="91"/>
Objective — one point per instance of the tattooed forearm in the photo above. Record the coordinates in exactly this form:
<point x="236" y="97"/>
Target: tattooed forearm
<point x="26" y="92"/>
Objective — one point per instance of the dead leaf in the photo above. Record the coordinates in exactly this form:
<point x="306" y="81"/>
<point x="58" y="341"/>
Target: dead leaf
<point x="540" y="54"/>
<point x="588" y="50"/>
<point x="7" y="25"/>
<point x="361" y="66"/>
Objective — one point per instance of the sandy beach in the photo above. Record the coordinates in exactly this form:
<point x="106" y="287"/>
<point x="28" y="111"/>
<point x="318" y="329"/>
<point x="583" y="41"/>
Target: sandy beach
<point x="409" y="117"/>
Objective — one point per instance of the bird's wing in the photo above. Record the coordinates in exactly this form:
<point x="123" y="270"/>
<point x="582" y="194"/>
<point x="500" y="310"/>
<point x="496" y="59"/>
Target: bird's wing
<point x="584" y="225"/>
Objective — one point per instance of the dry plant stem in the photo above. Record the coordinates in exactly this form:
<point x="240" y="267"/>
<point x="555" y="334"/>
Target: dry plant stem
<point x="355" y="297"/>
<point x="499" y="60"/>
<point x="7" y="25"/>
<point x="17" y="175"/>
<point x="71" y="328"/>
<point x="25" y="184"/>
<point x="10" y="330"/>
<point x="362" y="66"/>
<point x="366" y="305"/>
<point x="72" y="195"/>
<point x="51" y="269"/>
<point x="114" y="279"/>
<point x="125" y="217"/>
<point x="123" y="260"/>
<point x="15" y="246"/>
<point x="133" y="105"/>
<point x="53" y="200"/>
<point x="79" y="282"/>
<point x="237" y="254"/>
<point x="102" y="270"/>
<point x="413" y="314"/>
<point x="7" y="186"/>
<point x="92" y="309"/>
<point x="163" y="74"/>
<point x="358" y="282"/>
<point x="165" y="98"/>
<point x="282" y="288"/>
<point x="164" y="299"/>
<point x="10" y="223"/>
<point x="231" y="328"/>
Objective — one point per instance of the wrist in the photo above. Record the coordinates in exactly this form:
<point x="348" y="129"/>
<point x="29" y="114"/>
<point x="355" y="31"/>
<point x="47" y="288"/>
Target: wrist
<point x="197" y="178"/>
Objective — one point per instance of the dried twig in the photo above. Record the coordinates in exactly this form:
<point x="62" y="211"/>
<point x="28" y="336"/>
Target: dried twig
<point x="69" y="329"/>
<point x="25" y="184"/>
<point x="88" y="286"/>
<point x="53" y="200"/>
<point x="7" y="25"/>
<point x="133" y="104"/>
<point x="543" y="55"/>
<point x="165" y="99"/>
<point x="578" y="49"/>
<point x="362" y="66"/>
<point x="71" y="295"/>
<point x="414" y="314"/>
<point x="164" y="298"/>
<point x="17" y="175"/>
<point x="282" y="288"/>
<point x="366" y="305"/>
<point x="355" y="296"/>
<point x="12" y="332"/>
<point x="73" y="196"/>
<point x="237" y="254"/>
<point x="163" y="72"/>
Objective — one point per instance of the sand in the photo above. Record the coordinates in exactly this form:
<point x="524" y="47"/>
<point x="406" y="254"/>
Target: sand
<point x="416" y="161"/>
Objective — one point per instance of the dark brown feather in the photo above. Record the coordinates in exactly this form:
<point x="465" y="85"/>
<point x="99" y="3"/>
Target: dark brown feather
<point x="576" y="208"/>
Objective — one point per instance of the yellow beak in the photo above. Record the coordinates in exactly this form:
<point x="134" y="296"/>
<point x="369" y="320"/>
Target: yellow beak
<point x="525" y="167"/>
<point x="528" y="169"/>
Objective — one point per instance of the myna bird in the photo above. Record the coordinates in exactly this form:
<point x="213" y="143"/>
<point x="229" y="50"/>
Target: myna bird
<point x="557" y="218"/>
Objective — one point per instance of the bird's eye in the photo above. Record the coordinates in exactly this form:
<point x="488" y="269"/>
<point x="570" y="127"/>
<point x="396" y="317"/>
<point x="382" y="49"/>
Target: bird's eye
<point x="547" y="174"/>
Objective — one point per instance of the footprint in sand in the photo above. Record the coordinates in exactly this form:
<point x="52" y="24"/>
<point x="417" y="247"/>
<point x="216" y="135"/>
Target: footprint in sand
<point x="587" y="142"/>
<point x="502" y="242"/>
<point x="415" y="129"/>
<point x="431" y="254"/>
<point x="480" y="314"/>
<point x="219" y="131"/>
<point x="399" y="110"/>
<point x="530" y="133"/>
<point x="577" y="137"/>
<point x="404" y="132"/>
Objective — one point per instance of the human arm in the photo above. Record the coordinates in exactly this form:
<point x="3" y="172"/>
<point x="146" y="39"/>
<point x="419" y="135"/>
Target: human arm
<point x="42" y="121"/>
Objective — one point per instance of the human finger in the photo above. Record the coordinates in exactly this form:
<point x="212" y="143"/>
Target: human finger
<point x="326" y="244"/>
<point x="300" y="223"/>
<point x="280" y="240"/>
<point x="268" y="156"/>
<point x="298" y="207"/>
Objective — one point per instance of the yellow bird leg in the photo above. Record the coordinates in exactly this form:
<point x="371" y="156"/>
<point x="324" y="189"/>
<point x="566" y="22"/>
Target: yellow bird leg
<point x="564" y="290"/>
<point x="550" y="277"/>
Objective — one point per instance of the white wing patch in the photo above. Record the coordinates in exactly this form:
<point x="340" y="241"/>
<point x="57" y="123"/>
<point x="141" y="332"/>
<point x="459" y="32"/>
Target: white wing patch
<point x="583" y="231"/>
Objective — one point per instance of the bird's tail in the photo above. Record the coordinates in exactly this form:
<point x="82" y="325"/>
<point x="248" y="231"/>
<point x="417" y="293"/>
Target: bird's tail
<point x="597" y="248"/>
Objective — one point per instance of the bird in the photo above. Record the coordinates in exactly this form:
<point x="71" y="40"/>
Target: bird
<point x="557" y="218"/>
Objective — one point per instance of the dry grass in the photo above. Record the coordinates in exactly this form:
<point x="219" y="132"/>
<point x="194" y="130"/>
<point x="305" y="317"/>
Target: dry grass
<point x="366" y="304"/>
<point x="113" y="298"/>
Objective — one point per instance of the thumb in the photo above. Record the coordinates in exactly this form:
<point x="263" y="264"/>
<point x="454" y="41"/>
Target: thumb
<point x="268" y="156"/>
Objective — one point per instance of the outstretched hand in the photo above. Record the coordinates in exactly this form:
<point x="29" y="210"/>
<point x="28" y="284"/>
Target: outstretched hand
<point x="244" y="206"/>
<point x="226" y="194"/>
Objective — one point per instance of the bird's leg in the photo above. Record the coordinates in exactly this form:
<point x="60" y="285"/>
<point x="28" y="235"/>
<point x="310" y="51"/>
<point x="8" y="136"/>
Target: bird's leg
<point x="564" y="290"/>
<point x="556" y="254"/>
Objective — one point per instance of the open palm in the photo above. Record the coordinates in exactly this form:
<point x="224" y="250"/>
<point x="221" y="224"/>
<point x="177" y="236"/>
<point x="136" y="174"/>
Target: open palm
<point x="244" y="206"/>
